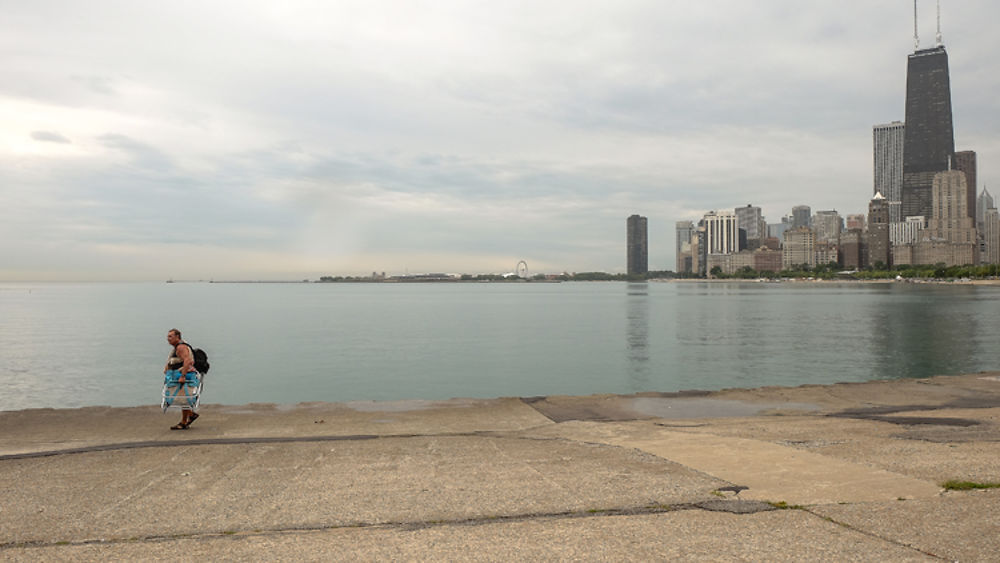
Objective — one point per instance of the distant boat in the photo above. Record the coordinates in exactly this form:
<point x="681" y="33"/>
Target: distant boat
<point x="171" y="280"/>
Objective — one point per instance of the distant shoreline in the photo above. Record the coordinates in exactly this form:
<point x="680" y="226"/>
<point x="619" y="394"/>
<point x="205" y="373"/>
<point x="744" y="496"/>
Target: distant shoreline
<point x="986" y="282"/>
<point x="839" y="281"/>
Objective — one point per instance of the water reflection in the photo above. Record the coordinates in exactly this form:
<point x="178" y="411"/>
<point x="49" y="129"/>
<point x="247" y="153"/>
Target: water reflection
<point x="637" y="335"/>
<point x="790" y="334"/>
<point x="924" y="332"/>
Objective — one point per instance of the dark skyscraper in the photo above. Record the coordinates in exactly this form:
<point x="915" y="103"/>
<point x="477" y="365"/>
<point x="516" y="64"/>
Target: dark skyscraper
<point x="929" y="140"/>
<point x="638" y="245"/>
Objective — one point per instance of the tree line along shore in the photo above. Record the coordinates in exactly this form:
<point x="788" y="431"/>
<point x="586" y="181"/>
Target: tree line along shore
<point x="831" y="272"/>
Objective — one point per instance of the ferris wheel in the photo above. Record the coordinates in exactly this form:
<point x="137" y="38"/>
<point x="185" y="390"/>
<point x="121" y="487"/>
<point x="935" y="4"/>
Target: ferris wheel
<point x="522" y="269"/>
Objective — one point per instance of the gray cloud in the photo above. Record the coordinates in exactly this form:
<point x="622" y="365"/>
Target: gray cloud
<point x="49" y="137"/>
<point x="99" y="84"/>
<point x="144" y="156"/>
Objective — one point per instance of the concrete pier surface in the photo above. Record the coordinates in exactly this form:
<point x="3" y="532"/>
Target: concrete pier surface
<point x="815" y="473"/>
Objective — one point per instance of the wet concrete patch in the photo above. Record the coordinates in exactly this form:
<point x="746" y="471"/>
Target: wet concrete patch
<point x="885" y="414"/>
<point x="977" y="402"/>
<point x="819" y="443"/>
<point x="937" y="429"/>
<point x="565" y="409"/>
<point x="709" y="408"/>
<point x="735" y="506"/>
<point x="409" y="405"/>
<point x="926" y="420"/>
<point x="951" y="435"/>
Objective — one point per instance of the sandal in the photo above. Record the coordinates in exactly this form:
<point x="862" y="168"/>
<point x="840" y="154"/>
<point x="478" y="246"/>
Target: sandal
<point x="192" y="418"/>
<point x="180" y="426"/>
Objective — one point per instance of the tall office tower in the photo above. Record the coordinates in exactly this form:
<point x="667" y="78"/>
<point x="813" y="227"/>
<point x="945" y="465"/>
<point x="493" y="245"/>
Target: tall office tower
<point x="929" y="138"/>
<point x="991" y="236"/>
<point x="749" y="219"/>
<point x="638" y="245"/>
<point x="698" y="255"/>
<point x="887" y="142"/>
<point x="827" y="224"/>
<point x="798" y="248"/>
<point x="950" y="219"/>
<point x="984" y="202"/>
<point x="684" y="230"/>
<point x="856" y="221"/>
<point x="966" y="162"/>
<point x="721" y="233"/>
<point x="878" y="231"/>
<point x="801" y="216"/>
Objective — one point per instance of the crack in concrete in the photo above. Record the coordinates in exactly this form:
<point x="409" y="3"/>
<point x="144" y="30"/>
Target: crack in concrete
<point x="873" y="535"/>
<point x="737" y="507"/>
<point x="221" y="441"/>
<point x="506" y="434"/>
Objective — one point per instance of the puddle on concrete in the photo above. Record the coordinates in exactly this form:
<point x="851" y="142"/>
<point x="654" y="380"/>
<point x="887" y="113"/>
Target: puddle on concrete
<point x="411" y="405"/>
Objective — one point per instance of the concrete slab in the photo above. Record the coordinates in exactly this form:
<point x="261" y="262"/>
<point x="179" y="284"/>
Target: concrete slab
<point x="956" y="526"/>
<point x="53" y="429"/>
<point x="926" y="452"/>
<point x="196" y="489"/>
<point x="769" y="471"/>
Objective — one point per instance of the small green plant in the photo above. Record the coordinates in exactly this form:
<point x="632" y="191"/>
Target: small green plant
<point x="785" y="506"/>
<point x="599" y="510"/>
<point x="968" y="485"/>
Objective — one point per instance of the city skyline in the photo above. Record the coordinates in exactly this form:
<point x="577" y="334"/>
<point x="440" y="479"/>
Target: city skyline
<point x="920" y="181"/>
<point x="148" y="141"/>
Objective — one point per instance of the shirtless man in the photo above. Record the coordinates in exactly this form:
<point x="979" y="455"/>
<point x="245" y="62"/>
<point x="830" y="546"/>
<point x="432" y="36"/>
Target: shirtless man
<point x="179" y="372"/>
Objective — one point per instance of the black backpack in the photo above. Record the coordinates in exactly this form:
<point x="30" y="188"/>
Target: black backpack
<point x="200" y="359"/>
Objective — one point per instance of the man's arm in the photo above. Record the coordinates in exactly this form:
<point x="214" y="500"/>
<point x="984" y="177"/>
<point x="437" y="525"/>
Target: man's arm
<point x="184" y="353"/>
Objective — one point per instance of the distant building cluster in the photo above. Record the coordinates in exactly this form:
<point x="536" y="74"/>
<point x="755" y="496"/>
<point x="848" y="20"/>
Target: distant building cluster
<point x="924" y="209"/>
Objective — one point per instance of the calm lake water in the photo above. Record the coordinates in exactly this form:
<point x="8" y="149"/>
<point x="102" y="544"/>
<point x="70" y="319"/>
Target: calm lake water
<point x="70" y="345"/>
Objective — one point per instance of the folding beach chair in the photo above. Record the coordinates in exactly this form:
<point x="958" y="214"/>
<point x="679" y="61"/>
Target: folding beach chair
<point x="185" y="395"/>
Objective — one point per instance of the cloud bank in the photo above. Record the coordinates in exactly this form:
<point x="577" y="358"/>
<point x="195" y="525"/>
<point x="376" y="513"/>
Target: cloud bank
<point x="244" y="140"/>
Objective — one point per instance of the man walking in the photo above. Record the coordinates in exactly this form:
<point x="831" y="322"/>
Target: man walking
<point x="179" y="373"/>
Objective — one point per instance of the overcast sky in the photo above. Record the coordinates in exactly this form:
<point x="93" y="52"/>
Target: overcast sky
<point x="290" y="140"/>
